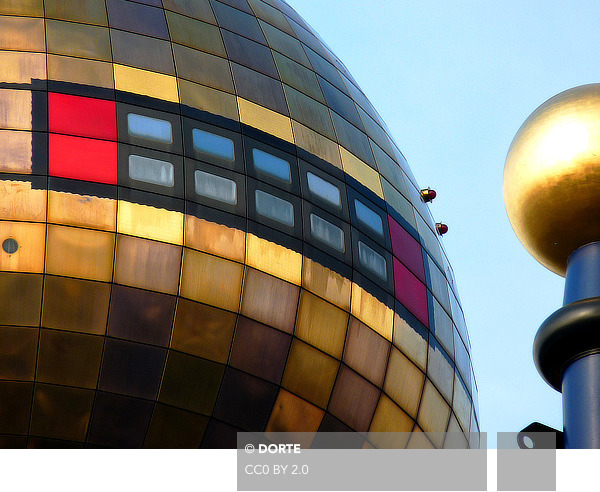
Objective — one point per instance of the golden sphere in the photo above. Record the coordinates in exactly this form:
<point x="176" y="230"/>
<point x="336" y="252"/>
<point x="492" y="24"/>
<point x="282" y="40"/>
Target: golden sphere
<point x="552" y="177"/>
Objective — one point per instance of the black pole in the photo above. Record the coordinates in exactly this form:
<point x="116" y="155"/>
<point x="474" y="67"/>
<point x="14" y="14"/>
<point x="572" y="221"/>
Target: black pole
<point x="566" y="349"/>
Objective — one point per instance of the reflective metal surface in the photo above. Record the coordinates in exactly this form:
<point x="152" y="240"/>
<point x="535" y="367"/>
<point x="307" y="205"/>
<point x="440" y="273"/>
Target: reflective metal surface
<point x="552" y="177"/>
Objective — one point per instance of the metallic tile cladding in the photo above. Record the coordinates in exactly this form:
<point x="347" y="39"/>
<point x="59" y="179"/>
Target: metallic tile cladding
<point x="206" y="228"/>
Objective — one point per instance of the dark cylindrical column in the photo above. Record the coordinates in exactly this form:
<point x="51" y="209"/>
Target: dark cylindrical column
<point x="581" y="403"/>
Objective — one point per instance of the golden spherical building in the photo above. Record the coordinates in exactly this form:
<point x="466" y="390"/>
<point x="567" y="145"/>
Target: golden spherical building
<point x="206" y="228"/>
<point x="552" y="177"/>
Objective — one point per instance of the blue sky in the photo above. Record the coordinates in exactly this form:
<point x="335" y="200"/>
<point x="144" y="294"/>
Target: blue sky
<point x="454" y="81"/>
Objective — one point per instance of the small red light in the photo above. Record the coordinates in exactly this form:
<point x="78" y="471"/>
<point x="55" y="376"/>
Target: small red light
<point x="427" y="194"/>
<point x="441" y="228"/>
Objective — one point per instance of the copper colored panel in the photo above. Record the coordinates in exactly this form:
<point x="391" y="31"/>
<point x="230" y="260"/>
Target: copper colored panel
<point x="82" y="253"/>
<point x="18" y="352"/>
<point x="215" y="238"/>
<point x="269" y="300"/>
<point x="69" y="359"/>
<point x="60" y="412"/>
<point x="274" y="259"/>
<point x="172" y="428"/>
<point x="310" y="373"/>
<point x="211" y="280"/>
<point x="31" y="240"/>
<point x="75" y="305"/>
<point x="23" y="200"/>
<point x="16" y="109"/>
<point x="202" y="330"/>
<point x="15" y="405"/>
<point x="372" y="311"/>
<point x="326" y="284"/>
<point x="390" y="426"/>
<point x="190" y="383"/>
<point x="237" y="390"/>
<point x="22" y="68"/>
<point x="353" y="400"/>
<point x="34" y="8"/>
<point x="434" y="413"/>
<point x="130" y="368"/>
<point x="87" y="11"/>
<point x="321" y="324"/>
<point x="409" y="340"/>
<point x="150" y="222"/>
<point x="16" y="152"/>
<point x="23" y="299"/>
<point x="82" y="210"/>
<point x="119" y="421"/>
<point x="404" y="382"/>
<point x="203" y="68"/>
<point x="259" y="350"/>
<point x="141" y="315"/>
<point x="293" y="414"/>
<point x="207" y="99"/>
<point x="366" y="352"/>
<point x="69" y="38"/>
<point x="317" y="144"/>
<point x="22" y="33"/>
<point x="147" y="264"/>
<point x="80" y="71"/>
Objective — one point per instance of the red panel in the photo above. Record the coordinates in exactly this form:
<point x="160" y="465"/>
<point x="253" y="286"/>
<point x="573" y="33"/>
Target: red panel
<point x="82" y="116"/>
<point x="411" y="292"/>
<point x="82" y="158"/>
<point x="407" y="249"/>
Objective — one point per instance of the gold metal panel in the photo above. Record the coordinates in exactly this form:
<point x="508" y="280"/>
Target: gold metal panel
<point x="326" y="283"/>
<point x="33" y="8"/>
<point x="461" y="403"/>
<point x="82" y="210"/>
<point x="269" y="300"/>
<point x="552" y="177"/>
<point x="362" y="172"/>
<point x="366" y="352"/>
<point x="21" y="68"/>
<point x="69" y="359"/>
<point x="404" y="382"/>
<point x="211" y="280"/>
<point x="86" y="12"/>
<point x="73" y="39"/>
<point x="434" y="413"/>
<point x="75" y="305"/>
<point x="82" y="253"/>
<point x="21" y="201"/>
<point x="61" y="413"/>
<point x="146" y="83"/>
<point x="16" y="110"/>
<point x="150" y="222"/>
<point x="214" y="238"/>
<point x="310" y="373"/>
<point x="18" y="352"/>
<point x="410" y="342"/>
<point x="266" y="120"/>
<point x="203" y="330"/>
<point x="293" y="414"/>
<point x="31" y="238"/>
<point x="372" y="312"/>
<point x="196" y="34"/>
<point x="208" y="99"/>
<point x="390" y="426"/>
<point x="22" y="33"/>
<point x="16" y="151"/>
<point x="274" y="259"/>
<point x="147" y="264"/>
<point x="317" y="144"/>
<point x="25" y="294"/>
<point x="80" y="71"/>
<point x="321" y="324"/>
<point x="203" y="68"/>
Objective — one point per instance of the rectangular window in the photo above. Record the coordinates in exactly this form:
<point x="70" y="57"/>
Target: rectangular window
<point x="324" y="189"/>
<point x="151" y="128"/>
<point x="372" y="260"/>
<point x="212" y="144"/>
<point x="326" y="232"/>
<point x="274" y="208"/>
<point x="368" y="217"/>
<point x="272" y="165"/>
<point x="215" y="187"/>
<point x="151" y="171"/>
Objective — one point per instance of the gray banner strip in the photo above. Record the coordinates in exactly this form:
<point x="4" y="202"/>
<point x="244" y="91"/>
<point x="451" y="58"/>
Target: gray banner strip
<point x="264" y="465"/>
